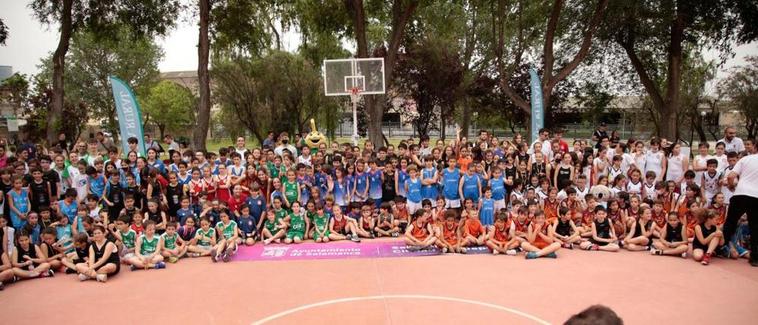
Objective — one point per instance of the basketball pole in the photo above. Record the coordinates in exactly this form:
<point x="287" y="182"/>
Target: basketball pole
<point x="355" y="97"/>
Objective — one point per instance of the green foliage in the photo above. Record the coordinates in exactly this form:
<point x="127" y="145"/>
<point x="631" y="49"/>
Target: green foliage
<point x="169" y="106"/>
<point x="17" y="90"/>
<point x="594" y="101"/>
<point x="91" y="60"/>
<point x="280" y="91"/>
<point x="3" y="32"/>
<point x="741" y="88"/>
<point x="38" y="103"/>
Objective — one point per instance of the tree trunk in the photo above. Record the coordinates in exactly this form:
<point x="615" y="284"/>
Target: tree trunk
<point x="697" y="125"/>
<point x="59" y="63"/>
<point x="161" y="130"/>
<point x="466" y="118"/>
<point x="200" y="133"/>
<point x="669" y="112"/>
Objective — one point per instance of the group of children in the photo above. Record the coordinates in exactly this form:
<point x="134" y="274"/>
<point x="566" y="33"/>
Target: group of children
<point x="89" y="214"/>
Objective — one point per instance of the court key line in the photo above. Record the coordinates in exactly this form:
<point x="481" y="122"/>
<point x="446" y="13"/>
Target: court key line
<point x="351" y="299"/>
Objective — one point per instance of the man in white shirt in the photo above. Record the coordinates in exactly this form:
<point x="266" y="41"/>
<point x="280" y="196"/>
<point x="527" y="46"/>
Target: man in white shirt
<point x="744" y="201"/>
<point x="240" y="147"/>
<point x="285" y="138"/>
<point x="544" y="137"/>
<point x="732" y="142"/>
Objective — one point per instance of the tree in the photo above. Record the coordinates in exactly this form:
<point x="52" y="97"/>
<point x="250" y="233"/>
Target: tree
<point x="577" y="27"/>
<point x="594" y="101"/>
<point x="281" y="91"/>
<point x="656" y="34"/>
<point x="37" y="105"/>
<point x="92" y="59"/>
<point x="16" y="91"/>
<point x="3" y="32"/>
<point x="169" y="106"/>
<point x="105" y="18"/>
<point x="200" y="132"/>
<point x="741" y="89"/>
<point x="430" y="73"/>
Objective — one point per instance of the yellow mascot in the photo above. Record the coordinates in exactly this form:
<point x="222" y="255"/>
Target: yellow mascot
<point x="315" y="138"/>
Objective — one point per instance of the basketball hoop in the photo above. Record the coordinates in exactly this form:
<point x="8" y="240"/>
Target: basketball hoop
<point x="355" y="94"/>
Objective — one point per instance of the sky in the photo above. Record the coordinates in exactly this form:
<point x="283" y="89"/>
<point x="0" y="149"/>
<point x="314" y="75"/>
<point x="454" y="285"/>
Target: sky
<point x="29" y="42"/>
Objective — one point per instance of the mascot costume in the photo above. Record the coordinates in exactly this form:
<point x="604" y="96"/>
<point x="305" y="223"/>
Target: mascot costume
<point x="315" y="138"/>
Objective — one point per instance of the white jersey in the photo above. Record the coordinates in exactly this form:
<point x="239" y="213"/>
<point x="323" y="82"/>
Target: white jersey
<point x="236" y="171"/>
<point x="627" y="161"/>
<point x="700" y="161"/>
<point x="632" y="188"/>
<point x="675" y="167"/>
<point x="723" y="162"/>
<point x="639" y="161"/>
<point x="654" y="163"/>
<point x="711" y="184"/>
<point x="649" y="191"/>
<point x="600" y="165"/>
<point x="581" y="193"/>
<point x="725" y="189"/>
<point x="613" y="172"/>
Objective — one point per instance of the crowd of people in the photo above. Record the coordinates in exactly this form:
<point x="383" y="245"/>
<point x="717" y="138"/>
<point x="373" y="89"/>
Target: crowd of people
<point x="90" y="209"/>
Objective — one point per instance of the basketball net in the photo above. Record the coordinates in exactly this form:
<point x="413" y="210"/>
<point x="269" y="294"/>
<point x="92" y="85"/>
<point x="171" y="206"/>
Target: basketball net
<point x="355" y="94"/>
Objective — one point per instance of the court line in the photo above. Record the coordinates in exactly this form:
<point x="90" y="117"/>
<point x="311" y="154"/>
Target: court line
<point x="384" y="297"/>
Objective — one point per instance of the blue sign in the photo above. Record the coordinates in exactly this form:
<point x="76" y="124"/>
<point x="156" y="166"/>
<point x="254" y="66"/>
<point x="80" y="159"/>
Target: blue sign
<point x="538" y="111"/>
<point x="129" y="115"/>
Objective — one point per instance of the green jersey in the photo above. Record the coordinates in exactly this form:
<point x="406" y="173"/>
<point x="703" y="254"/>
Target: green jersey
<point x="297" y="223"/>
<point x="227" y="230"/>
<point x="205" y="236"/>
<point x="272" y="226"/>
<point x="321" y="222"/>
<point x="149" y="245"/>
<point x="169" y="241"/>
<point x="128" y="238"/>
<point x="279" y="215"/>
<point x="290" y="191"/>
<point x="273" y="170"/>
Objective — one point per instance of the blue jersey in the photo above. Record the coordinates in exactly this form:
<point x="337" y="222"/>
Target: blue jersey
<point x="429" y="191"/>
<point x="257" y="206"/>
<point x="96" y="185"/>
<point x="402" y="176"/>
<point x="487" y="212"/>
<point x="340" y="192"/>
<point x="498" y="188"/>
<point x="361" y="183"/>
<point x="184" y="214"/>
<point x="21" y="203"/>
<point x="350" y="183"/>
<point x="414" y="190"/>
<point x="375" y="184"/>
<point x="184" y="180"/>
<point x="65" y="236"/>
<point x="471" y="187"/>
<point x="247" y="224"/>
<point x="159" y="165"/>
<point x="68" y="210"/>
<point x="305" y="188"/>
<point x="450" y="181"/>
<point x="322" y="182"/>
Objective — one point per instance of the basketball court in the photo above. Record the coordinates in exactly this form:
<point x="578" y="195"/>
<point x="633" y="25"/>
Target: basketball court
<point x="438" y="289"/>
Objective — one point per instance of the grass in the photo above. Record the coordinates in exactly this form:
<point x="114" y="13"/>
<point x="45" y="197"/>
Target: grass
<point x="214" y="144"/>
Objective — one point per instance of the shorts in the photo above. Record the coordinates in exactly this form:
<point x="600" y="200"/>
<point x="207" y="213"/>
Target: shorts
<point x="128" y="256"/>
<point x="499" y="204"/>
<point x="540" y="244"/>
<point x="253" y="235"/>
<point x="118" y="268"/>
<point x="452" y="204"/>
<point x="413" y="207"/>
<point x="402" y="225"/>
<point x="316" y="234"/>
<point x="599" y="243"/>
<point x="292" y="234"/>
<point x="205" y="247"/>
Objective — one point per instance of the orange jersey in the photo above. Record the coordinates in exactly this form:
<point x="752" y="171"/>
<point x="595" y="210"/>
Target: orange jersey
<point x="473" y="227"/>
<point x="539" y="242"/>
<point x="419" y="231"/>
<point x="551" y="210"/>
<point x="401" y="214"/>
<point x="633" y="214"/>
<point x="690" y="222"/>
<point x="521" y="226"/>
<point x="463" y="163"/>
<point x="659" y="218"/>
<point x="503" y="234"/>
<point x="450" y="234"/>
<point x="721" y="212"/>
<point x="587" y="218"/>
<point x="668" y="202"/>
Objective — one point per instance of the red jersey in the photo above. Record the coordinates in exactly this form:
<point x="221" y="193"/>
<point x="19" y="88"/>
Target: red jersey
<point x="503" y="234"/>
<point x="474" y="227"/>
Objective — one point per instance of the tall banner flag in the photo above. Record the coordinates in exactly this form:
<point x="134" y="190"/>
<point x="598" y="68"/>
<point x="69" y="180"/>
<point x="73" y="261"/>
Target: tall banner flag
<point x="538" y="112"/>
<point x="129" y="115"/>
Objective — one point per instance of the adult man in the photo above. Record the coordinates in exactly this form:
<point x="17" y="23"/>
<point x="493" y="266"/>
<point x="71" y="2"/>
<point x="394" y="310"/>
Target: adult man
<point x="169" y="140"/>
<point x="425" y="150"/>
<point x="269" y="140"/>
<point x="744" y="200"/>
<point x="284" y="139"/>
<point x="564" y="147"/>
<point x="544" y="138"/>
<point x="150" y="143"/>
<point x="600" y="133"/>
<point x="732" y="142"/>
<point x="240" y="147"/>
<point x="484" y="136"/>
<point x="103" y="143"/>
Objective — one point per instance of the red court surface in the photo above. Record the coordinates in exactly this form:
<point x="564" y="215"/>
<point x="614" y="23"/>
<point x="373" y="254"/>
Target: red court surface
<point x="450" y="289"/>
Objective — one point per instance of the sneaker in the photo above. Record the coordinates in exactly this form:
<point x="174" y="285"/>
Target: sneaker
<point x="552" y="255"/>
<point x="724" y="252"/>
<point x="621" y="244"/>
<point x="706" y="259"/>
<point x="531" y="255"/>
<point x="226" y="257"/>
<point x="594" y="247"/>
<point x="278" y="240"/>
<point x="395" y="234"/>
<point x="173" y="259"/>
<point x="132" y="268"/>
<point x="101" y="278"/>
<point x="656" y="252"/>
<point x="50" y="273"/>
<point x="349" y="237"/>
<point x="754" y="262"/>
<point x="444" y="250"/>
<point x="230" y="251"/>
<point x="213" y="256"/>
<point x="566" y="245"/>
<point x="464" y="250"/>
<point x="519" y="249"/>
<point x="684" y="255"/>
<point x="83" y="277"/>
<point x="511" y="252"/>
<point x="495" y="252"/>
<point x="2" y="286"/>
<point x="70" y="271"/>
<point x="412" y="248"/>
<point x="571" y="246"/>
<point x="355" y="239"/>
<point x="160" y="265"/>
<point x="194" y="254"/>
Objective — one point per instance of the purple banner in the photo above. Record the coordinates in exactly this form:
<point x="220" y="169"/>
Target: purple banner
<point x="335" y="250"/>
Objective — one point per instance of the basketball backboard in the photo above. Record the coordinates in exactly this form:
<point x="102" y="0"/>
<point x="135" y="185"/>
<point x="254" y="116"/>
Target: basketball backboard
<point x="342" y="76"/>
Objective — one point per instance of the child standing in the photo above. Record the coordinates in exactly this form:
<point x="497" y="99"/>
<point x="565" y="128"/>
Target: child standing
<point x="413" y="187"/>
<point x="487" y="208"/>
<point x="19" y="203"/>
